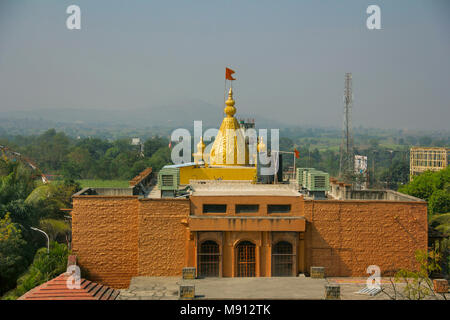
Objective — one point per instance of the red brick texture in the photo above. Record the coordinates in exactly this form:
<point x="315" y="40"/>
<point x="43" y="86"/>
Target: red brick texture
<point x="105" y="238"/>
<point x="346" y="237"/>
<point x="162" y="236"/>
<point x="116" y="238"/>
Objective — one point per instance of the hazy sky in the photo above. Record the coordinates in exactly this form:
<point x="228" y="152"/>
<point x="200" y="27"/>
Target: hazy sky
<point x="289" y="56"/>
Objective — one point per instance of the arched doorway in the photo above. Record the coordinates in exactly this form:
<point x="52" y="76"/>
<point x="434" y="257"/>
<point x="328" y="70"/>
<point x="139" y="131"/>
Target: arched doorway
<point x="209" y="259"/>
<point x="246" y="260"/>
<point x="282" y="259"/>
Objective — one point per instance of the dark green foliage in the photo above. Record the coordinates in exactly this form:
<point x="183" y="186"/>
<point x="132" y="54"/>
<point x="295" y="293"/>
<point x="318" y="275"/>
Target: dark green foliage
<point x="97" y="158"/>
<point x="45" y="267"/>
<point x="396" y="175"/>
<point x="88" y="158"/>
<point x="12" y="247"/>
<point x="422" y="186"/>
<point x="433" y="187"/>
<point x="15" y="181"/>
<point x="26" y="202"/>
<point x="441" y="222"/>
<point x="417" y="283"/>
<point x="57" y="230"/>
<point x="20" y="212"/>
<point x="154" y="144"/>
<point x="160" y="158"/>
<point x="439" y="201"/>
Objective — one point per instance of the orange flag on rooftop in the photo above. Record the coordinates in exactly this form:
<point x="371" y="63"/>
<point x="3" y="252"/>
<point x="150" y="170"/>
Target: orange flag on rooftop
<point x="297" y="153"/>
<point x="228" y="73"/>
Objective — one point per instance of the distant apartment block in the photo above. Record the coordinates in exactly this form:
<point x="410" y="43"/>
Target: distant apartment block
<point x="427" y="158"/>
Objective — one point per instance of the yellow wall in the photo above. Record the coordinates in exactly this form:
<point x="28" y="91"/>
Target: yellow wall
<point x="212" y="173"/>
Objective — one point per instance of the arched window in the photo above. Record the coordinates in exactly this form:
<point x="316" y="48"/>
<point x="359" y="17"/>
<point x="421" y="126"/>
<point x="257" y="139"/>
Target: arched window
<point x="282" y="259"/>
<point x="246" y="260"/>
<point x="209" y="259"/>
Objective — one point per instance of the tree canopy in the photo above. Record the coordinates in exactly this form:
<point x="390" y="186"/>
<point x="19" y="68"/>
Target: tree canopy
<point x="24" y="203"/>
<point x="434" y="187"/>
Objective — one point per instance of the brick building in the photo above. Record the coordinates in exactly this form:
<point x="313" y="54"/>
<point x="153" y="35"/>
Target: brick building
<point x="198" y="215"/>
<point x="241" y="229"/>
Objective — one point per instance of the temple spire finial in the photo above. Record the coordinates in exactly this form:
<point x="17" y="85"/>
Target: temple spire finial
<point x="230" y="110"/>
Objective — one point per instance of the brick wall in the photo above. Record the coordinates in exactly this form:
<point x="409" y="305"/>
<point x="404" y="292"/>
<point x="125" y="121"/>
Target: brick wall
<point x="346" y="237"/>
<point x="105" y="238"/>
<point x="116" y="238"/>
<point x="162" y="236"/>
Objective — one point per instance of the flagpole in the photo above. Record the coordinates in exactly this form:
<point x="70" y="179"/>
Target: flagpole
<point x="224" y="96"/>
<point x="228" y="73"/>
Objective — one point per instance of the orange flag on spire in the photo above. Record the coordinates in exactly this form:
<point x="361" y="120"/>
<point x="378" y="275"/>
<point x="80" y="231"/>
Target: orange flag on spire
<point x="228" y="73"/>
<point x="297" y="153"/>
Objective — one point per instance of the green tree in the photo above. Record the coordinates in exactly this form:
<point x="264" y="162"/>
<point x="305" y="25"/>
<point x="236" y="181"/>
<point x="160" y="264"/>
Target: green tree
<point x="95" y="146"/>
<point x="20" y="212"/>
<point x="16" y="181"/>
<point x="154" y="144"/>
<point x="434" y="187"/>
<point x="439" y="202"/>
<point x="45" y="267"/>
<point x="417" y="284"/>
<point x="422" y="186"/>
<point x="71" y="170"/>
<point x="48" y="199"/>
<point x="12" y="246"/>
<point x="397" y="174"/>
<point x="441" y="222"/>
<point x="49" y="150"/>
<point x="78" y="164"/>
<point x="139" y="166"/>
<point x="56" y="229"/>
<point x="160" y="158"/>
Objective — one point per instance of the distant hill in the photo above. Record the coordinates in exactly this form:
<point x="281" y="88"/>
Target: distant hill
<point x="73" y="120"/>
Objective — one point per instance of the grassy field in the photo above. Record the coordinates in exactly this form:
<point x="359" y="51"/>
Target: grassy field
<point x="103" y="183"/>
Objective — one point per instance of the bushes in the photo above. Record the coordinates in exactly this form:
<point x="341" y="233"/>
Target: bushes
<point x="12" y="247"/>
<point x="57" y="230"/>
<point x="441" y="222"/>
<point x="434" y="187"/>
<point x="21" y="207"/>
<point x="45" y="267"/>
<point x="439" y="202"/>
<point x="422" y="186"/>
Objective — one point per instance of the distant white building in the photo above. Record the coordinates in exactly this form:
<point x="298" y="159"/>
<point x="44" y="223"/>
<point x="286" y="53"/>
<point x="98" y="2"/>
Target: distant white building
<point x="137" y="142"/>
<point x="360" y="164"/>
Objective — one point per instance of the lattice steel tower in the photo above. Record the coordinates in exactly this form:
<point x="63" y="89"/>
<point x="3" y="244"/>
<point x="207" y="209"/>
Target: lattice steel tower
<point x="346" y="163"/>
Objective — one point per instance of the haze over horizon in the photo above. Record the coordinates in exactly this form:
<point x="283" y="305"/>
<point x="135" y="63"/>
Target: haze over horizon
<point x="290" y="59"/>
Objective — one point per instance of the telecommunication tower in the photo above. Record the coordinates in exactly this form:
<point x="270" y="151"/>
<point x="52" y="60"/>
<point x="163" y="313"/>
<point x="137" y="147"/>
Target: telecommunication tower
<point x="346" y="163"/>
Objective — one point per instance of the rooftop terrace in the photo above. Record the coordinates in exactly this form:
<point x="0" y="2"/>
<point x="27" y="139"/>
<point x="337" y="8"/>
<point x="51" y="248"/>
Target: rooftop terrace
<point x="239" y="188"/>
<point x="342" y="191"/>
<point x="144" y="185"/>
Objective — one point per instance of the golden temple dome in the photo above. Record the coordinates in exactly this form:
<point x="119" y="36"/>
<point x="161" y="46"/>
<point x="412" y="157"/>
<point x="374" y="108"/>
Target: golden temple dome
<point x="199" y="155"/>
<point x="261" y="147"/>
<point x="229" y="147"/>
<point x="230" y="110"/>
<point x="201" y="146"/>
